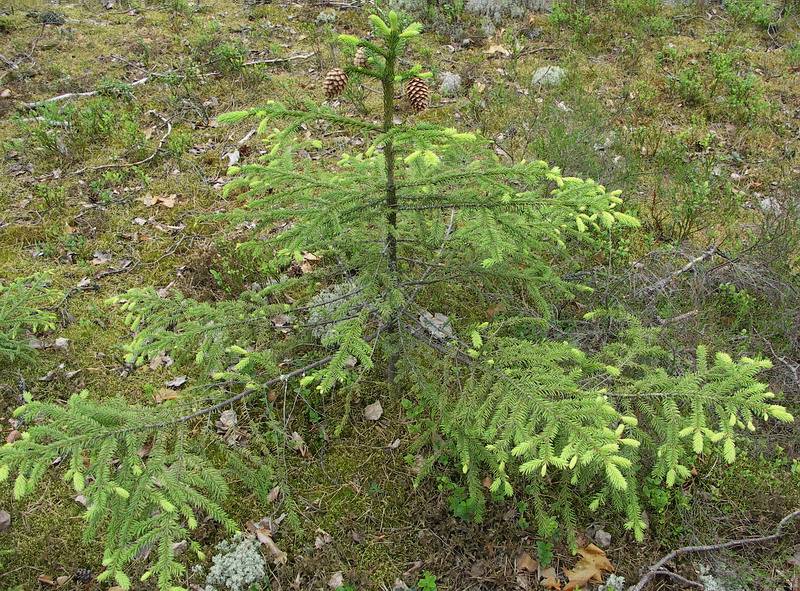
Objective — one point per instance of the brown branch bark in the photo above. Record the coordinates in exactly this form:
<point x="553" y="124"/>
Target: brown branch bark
<point x="659" y="568"/>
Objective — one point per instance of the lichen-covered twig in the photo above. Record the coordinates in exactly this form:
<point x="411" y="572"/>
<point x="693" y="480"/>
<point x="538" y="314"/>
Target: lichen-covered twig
<point x="659" y="567"/>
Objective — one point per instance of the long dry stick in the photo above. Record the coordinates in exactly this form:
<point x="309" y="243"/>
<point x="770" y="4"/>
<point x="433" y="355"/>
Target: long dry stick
<point x="149" y="77"/>
<point x="687" y="267"/>
<point x="160" y="145"/>
<point x="659" y="567"/>
<point x="69" y="95"/>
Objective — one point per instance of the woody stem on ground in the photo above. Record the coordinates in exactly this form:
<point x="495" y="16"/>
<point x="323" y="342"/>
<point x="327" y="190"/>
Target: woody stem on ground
<point x="387" y="81"/>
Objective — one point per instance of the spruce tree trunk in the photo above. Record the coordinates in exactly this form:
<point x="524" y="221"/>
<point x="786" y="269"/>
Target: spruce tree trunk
<point x="391" y="191"/>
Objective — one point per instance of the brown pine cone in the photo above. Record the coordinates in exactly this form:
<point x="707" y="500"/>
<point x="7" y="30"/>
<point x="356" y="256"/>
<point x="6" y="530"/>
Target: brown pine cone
<point x="335" y="81"/>
<point x="417" y="94"/>
<point x="360" y="58"/>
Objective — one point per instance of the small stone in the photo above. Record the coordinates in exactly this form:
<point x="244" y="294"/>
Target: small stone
<point x="336" y="581"/>
<point x="602" y="538"/>
<point x="450" y="83"/>
<point x="548" y="76"/>
<point x="770" y="205"/>
<point x="374" y="411"/>
<point x="5" y="520"/>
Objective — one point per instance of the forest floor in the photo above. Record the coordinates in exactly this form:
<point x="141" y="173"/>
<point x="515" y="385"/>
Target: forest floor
<point x="693" y="110"/>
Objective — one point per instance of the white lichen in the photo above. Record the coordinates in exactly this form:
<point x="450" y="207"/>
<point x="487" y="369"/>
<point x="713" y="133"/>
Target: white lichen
<point x="237" y="564"/>
<point x="329" y="305"/>
<point x="613" y="583"/>
<point x="499" y="9"/>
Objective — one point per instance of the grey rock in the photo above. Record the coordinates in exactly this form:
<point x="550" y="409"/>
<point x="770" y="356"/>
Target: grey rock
<point x="603" y="538"/>
<point x="450" y="83"/>
<point x="548" y="76"/>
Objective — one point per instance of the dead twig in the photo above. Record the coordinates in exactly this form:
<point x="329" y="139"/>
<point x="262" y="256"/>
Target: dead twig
<point x="659" y="567"/>
<point x="681" y="579"/>
<point x="69" y="95"/>
<point x="160" y="145"/>
<point x="661" y="284"/>
<point x="280" y="60"/>
<point x="155" y="75"/>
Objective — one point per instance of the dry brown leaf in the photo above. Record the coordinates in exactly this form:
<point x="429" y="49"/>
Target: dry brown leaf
<point x="148" y="200"/>
<point x="549" y="580"/>
<point x="526" y="563"/>
<point x="165" y="394"/>
<point x="590" y="567"/>
<point x="497" y="50"/>
<point x="273" y="494"/>
<point x="297" y="442"/>
<point x="309" y="261"/>
<point x="264" y="530"/>
<point x="168" y="201"/>
<point x="322" y="538"/>
<point x="374" y="411"/>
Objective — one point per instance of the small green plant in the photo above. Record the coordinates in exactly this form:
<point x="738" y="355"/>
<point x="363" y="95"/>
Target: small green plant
<point x="756" y="12"/>
<point x="54" y="197"/>
<point x="690" y="86"/>
<point x="427" y="582"/>
<point x="736" y="304"/>
<point x="793" y="54"/>
<point x="229" y="57"/>
<point x="115" y="89"/>
<point x="742" y="93"/>
<point x="462" y="504"/>
<point x="66" y="133"/>
<point x="633" y="11"/>
<point x="23" y="313"/>
<point x="544" y="552"/>
<point x="570" y="17"/>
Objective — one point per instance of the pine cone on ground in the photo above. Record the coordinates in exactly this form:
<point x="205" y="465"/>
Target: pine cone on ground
<point x="83" y="575"/>
<point x="360" y="58"/>
<point x="417" y="94"/>
<point x="335" y="81"/>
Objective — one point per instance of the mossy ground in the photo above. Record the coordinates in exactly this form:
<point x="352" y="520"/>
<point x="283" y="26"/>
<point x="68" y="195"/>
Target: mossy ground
<point x="645" y="108"/>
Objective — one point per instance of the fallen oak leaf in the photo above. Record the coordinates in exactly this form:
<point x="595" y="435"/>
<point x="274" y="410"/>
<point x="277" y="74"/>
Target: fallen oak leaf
<point x="590" y="568"/>
<point x="297" y="442"/>
<point x="165" y="394"/>
<point x="169" y="201"/>
<point x="322" y="538"/>
<point x="549" y="580"/>
<point x="497" y="50"/>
